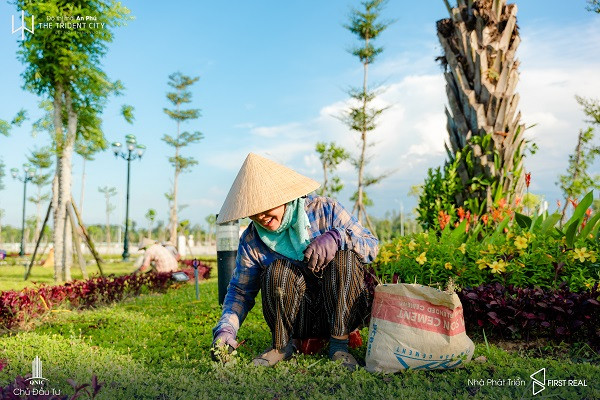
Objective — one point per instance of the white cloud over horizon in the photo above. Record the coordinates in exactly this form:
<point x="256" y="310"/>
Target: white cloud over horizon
<point x="410" y="135"/>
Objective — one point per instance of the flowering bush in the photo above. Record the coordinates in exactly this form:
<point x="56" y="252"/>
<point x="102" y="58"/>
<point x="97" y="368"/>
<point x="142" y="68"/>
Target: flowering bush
<point x="518" y="257"/>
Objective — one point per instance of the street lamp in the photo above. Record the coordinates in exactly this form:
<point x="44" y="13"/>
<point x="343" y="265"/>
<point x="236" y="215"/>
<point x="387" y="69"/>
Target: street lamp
<point x="28" y="174"/>
<point x="131" y="151"/>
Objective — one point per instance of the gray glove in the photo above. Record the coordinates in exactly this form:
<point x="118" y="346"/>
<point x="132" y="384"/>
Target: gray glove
<point x="322" y="250"/>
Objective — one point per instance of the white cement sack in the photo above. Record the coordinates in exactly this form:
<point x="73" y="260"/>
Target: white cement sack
<point x="416" y="327"/>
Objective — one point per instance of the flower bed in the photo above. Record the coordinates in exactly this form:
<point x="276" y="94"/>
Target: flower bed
<point x="17" y="308"/>
<point x="517" y="276"/>
<point x="517" y="258"/>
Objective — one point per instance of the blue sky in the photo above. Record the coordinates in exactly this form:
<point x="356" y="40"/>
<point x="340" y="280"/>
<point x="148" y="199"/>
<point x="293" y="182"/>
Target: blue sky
<point x="273" y="77"/>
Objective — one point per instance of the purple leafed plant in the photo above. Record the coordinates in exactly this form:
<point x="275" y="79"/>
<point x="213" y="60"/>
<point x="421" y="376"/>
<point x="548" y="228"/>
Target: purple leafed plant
<point x="508" y="311"/>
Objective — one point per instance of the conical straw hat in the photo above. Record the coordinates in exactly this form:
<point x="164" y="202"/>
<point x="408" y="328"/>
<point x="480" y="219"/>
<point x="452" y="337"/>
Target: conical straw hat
<point x="260" y="185"/>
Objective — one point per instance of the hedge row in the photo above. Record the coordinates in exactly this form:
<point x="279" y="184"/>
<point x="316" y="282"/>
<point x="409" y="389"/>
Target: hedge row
<point x="17" y="308"/>
<point x="527" y="313"/>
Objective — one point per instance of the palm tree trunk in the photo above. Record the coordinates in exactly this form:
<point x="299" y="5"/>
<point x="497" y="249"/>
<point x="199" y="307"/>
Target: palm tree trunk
<point x="479" y="42"/>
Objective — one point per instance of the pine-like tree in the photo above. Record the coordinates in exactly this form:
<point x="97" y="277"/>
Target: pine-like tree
<point x="179" y="97"/>
<point x="362" y="116"/>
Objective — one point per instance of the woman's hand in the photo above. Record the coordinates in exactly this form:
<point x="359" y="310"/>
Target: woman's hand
<point x="322" y="250"/>
<point x="223" y="343"/>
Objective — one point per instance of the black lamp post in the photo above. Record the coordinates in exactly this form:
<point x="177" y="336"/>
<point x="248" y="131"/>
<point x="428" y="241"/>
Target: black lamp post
<point x="131" y="152"/>
<point x="28" y="174"/>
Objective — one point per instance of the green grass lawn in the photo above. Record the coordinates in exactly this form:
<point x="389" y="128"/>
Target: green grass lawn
<point x="156" y="346"/>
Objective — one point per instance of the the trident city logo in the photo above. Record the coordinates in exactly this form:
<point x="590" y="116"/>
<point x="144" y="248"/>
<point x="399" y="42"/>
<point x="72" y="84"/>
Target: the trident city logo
<point x="36" y="372"/>
<point x="539" y="381"/>
<point x="23" y="26"/>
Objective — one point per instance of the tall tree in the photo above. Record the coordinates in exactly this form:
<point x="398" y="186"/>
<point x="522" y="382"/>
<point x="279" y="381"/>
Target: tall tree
<point x="150" y="217"/>
<point x="64" y="65"/>
<point x="479" y="42"/>
<point x="41" y="159"/>
<point x="179" y="97"/>
<point x="331" y="157"/>
<point x="108" y="193"/>
<point x="362" y="116"/>
<point x="578" y="180"/>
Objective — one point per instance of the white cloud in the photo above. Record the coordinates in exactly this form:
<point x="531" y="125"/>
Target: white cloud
<point x="410" y="135"/>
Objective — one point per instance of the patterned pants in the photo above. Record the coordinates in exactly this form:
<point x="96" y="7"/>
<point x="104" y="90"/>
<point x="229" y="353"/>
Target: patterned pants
<point x="297" y="304"/>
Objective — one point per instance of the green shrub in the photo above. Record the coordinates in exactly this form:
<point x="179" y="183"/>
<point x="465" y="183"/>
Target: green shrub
<point x="517" y="257"/>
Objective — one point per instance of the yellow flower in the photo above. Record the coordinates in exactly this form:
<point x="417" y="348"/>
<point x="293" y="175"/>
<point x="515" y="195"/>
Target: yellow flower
<point x="498" y="267"/>
<point x="580" y="254"/>
<point x="463" y="248"/>
<point x="448" y="265"/>
<point x="398" y="246"/>
<point x="386" y="256"/>
<point x="481" y="263"/>
<point x="421" y="259"/>
<point x="592" y="256"/>
<point x="521" y="242"/>
<point x="412" y="245"/>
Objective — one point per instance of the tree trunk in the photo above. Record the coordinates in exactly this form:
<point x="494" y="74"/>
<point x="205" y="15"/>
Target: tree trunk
<point x="58" y="211"/>
<point x="479" y="42"/>
<point x="63" y="239"/>
<point x="173" y="235"/>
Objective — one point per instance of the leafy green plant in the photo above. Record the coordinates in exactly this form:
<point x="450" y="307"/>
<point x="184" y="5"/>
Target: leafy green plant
<point x="582" y="225"/>
<point x="510" y="255"/>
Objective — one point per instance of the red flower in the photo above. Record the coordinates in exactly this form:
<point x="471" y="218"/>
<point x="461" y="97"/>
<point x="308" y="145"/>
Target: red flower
<point x="461" y="213"/>
<point x="574" y="202"/>
<point x="443" y="219"/>
<point x="528" y="179"/>
<point x="517" y="201"/>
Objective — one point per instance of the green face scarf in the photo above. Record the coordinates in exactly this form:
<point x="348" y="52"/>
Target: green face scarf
<point x="291" y="238"/>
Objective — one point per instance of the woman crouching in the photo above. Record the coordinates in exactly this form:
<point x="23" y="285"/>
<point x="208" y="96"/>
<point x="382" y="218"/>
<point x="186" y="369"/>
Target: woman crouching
<point x="306" y="253"/>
